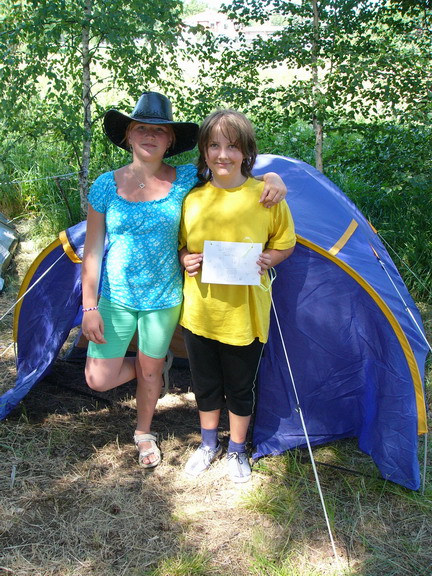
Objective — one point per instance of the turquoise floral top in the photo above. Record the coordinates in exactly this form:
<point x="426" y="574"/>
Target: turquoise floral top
<point x="142" y="269"/>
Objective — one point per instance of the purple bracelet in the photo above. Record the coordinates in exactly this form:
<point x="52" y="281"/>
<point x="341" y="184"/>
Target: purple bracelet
<point x="91" y="308"/>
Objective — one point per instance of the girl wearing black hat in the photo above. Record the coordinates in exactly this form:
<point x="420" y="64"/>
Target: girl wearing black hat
<point x="137" y="209"/>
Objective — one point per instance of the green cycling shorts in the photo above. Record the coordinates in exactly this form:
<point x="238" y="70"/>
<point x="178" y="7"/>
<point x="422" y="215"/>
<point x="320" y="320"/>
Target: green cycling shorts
<point x="155" y="330"/>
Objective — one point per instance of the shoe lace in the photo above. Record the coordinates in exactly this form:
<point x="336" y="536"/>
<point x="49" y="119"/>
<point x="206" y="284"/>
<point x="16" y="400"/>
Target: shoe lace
<point x="208" y="453"/>
<point x="237" y="456"/>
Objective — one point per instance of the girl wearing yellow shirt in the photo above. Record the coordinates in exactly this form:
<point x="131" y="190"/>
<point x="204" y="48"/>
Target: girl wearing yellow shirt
<point x="226" y="326"/>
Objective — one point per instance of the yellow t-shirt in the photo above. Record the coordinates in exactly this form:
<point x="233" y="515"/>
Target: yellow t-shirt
<point x="232" y="314"/>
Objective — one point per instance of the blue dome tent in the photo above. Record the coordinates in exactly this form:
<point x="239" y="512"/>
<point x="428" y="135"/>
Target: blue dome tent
<point x="355" y="353"/>
<point x="340" y="313"/>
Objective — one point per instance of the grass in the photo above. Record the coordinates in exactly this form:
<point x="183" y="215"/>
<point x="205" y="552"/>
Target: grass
<point x="185" y="563"/>
<point x="379" y="528"/>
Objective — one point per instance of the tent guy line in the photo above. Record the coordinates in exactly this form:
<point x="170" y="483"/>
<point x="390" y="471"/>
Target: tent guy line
<point x="410" y="270"/>
<point x="416" y="324"/>
<point x="31" y="287"/>
<point x="300" y="413"/>
<point x="18" y="181"/>
<point x="6" y="349"/>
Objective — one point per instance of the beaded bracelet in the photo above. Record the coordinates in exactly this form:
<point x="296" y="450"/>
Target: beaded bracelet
<point x="91" y="308"/>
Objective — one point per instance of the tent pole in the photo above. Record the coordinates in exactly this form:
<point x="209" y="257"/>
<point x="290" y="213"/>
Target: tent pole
<point x="383" y="266"/>
<point x="299" y="410"/>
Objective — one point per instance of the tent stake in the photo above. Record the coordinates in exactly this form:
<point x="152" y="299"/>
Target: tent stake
<point x="299" y="410"/>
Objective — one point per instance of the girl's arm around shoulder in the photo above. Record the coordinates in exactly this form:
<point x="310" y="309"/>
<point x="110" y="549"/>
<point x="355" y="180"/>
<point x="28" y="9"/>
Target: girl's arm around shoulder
<point x="186" y="177"/>
<point x="274" y="189"/>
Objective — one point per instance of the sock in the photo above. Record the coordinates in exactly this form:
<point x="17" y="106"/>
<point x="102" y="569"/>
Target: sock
<point x="236" y="447"/>
<point x="209" y="438"/>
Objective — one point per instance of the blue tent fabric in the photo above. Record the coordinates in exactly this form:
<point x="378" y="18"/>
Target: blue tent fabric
<point x="45" y="316"/>
<point x="356" y="356"/>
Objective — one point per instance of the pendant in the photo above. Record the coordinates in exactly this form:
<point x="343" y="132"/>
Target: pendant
<point x="141" y="185"/>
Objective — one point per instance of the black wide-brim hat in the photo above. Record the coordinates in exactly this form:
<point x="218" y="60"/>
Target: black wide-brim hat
<point x="151" y="108"/>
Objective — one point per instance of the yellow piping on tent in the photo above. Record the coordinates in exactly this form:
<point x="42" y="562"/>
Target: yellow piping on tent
<point x="61" y="240"/>
<point x="70" y="252"/>
<point x="405" y="345"/>
<point x="344" y="238"/>
<point x="26" y="282"/>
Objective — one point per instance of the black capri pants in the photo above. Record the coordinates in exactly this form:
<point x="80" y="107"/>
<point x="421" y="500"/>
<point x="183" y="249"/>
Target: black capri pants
<point x="222" y="373"/>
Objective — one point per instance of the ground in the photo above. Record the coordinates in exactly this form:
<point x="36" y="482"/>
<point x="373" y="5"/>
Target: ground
<point x="78" y="491"/>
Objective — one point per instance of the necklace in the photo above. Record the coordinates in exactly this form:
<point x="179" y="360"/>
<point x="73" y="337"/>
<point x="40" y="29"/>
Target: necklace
<point x="140" y="184"/>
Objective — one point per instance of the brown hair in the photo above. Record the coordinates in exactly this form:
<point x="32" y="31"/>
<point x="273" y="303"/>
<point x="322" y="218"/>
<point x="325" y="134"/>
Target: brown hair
<point x="236" y="128"/>
<point x="133" y="123"/>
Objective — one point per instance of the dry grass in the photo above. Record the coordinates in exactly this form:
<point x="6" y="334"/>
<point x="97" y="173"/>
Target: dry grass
<point x="74" y="502"/>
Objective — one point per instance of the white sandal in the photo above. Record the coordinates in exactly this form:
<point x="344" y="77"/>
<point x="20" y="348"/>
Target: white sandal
<point x="153" y="439"/>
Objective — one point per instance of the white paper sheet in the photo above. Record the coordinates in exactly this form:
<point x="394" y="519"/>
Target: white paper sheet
<point x="231" y="263"/>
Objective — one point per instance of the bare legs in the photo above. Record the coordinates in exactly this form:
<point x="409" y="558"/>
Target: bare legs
<point x="149" y="386"/>
<point x="209" y="420"/>
<point x="103" y="375"/>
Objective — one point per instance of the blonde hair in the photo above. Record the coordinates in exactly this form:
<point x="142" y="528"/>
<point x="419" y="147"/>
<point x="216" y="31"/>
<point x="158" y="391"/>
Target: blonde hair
<point x="237" y="129"/>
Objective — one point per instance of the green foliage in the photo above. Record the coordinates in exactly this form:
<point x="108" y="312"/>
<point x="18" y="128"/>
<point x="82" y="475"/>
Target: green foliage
<point x="39" y="182"/>
<point x="191" y="7"/>
<point x="386" y="170"/>
<point x="355" y="60"/>
<point x="331" y="62"/>
<point x="61" y="62"/>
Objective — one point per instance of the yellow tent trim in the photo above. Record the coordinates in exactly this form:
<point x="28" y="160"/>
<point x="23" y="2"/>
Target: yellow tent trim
<point x="69" y="251"/>
<point x="26" y="282"/>
<point x="406" y="347"/>
<point x="344" y="238"/>
<point x="68" y="248"/>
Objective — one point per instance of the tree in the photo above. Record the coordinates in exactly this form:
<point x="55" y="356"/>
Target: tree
<point x="192" y="7"/>
<point x="347" y="61"/>
<point x="61" y="57"/>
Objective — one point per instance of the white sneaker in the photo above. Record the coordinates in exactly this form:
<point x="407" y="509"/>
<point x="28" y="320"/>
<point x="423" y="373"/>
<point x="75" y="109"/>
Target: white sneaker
<point x="238" y="466"/>
<point x="201" y="460"/>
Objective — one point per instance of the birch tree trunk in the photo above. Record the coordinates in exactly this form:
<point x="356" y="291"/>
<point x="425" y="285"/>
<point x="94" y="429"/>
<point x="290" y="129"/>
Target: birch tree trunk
<point x="86" y="102"/>
<point x="318" y="128"/>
